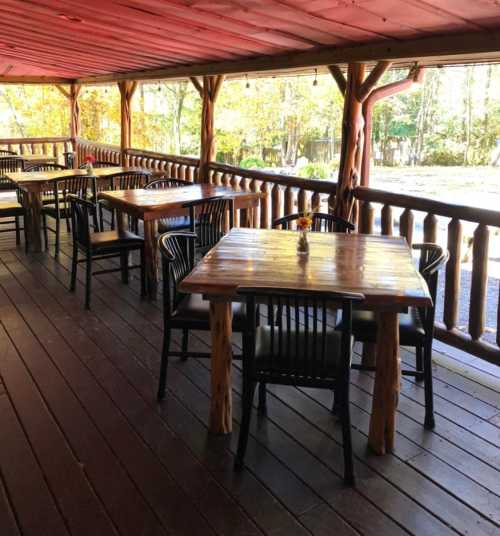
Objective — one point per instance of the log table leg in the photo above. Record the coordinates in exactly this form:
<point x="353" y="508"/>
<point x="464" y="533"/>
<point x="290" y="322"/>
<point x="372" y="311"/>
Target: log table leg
<point x="33" y="223"/>
<point x="221" y="402"/>
<point x="387" y="383"/>
<point x="151" y="258"/>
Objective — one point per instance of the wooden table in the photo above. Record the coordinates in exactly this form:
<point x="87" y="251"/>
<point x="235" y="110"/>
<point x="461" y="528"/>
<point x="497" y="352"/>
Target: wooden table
<point x="379" y="267"/>
<point x="152" y="205"/>
<point x="33" y="182"/>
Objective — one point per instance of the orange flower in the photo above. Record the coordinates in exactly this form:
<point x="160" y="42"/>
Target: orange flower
<point x="304" y="222"/>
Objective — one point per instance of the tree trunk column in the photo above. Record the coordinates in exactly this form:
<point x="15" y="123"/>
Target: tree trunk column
<point x="209" y="90"/>
<point x="352" y="142"/>
<point x="127" y="89"/>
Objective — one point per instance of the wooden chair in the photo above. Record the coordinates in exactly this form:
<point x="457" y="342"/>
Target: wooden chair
<point x="57" y="206"/>
<point x="44" y="167"/>
<point x="170" y="224"/>
<point x="416" y="327"/>
<point x="320" y="222"/>
<point x="125" y="180"/>
<point x="14" y="211"/>
<point x="287" y="353"/>
<point x="183" y="311"/>
<point x="99" y="246"/>
<point x="69" y="159"/>
<point x="9" y="164"/>
<point x="100" y="164"/>
<point x="210" y="220"/>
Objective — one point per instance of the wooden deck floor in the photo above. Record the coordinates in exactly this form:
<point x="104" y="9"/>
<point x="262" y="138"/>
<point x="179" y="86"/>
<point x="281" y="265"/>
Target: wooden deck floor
<point x="86" y="450"/>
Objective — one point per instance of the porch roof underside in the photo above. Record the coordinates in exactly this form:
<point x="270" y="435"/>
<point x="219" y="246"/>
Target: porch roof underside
<point x="96" y="40"/>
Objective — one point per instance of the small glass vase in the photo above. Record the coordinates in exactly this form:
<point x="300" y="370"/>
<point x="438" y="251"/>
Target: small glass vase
<point x="90" y="169"/>
<point x="303" y="244"/>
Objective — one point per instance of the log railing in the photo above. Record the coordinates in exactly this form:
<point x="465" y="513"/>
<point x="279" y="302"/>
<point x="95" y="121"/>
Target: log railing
<point x="50" y="146"/>
<point x="456" y="218"/>
<point x="405" y="215"/>
<point x="281" y="194"/>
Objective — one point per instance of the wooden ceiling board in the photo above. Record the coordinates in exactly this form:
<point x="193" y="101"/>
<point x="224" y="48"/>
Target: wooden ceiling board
<point x="109" y="38"/>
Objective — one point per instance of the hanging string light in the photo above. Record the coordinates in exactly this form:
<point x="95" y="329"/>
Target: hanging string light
<point x="159" y="87"/>
<point x="315" y="81"/>
<point x="247" y="85"/>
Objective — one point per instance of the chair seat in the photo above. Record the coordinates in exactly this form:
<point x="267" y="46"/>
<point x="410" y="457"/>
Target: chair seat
<point x="411" y="330"/>
<point x="109" y="240"/>
<point x="267" y="360"/>
<point x="194" y="309"/>
<point x="173" y="224"/>
<point x="10" y="208"/>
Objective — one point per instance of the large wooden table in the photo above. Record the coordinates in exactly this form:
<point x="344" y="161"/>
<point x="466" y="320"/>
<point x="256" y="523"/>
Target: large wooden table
<point x="152" y="205"/>
<point x="379" y="267"/>
<point x="34" y="182"/>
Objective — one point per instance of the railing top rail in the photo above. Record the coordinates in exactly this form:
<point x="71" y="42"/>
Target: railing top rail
<point x="318" y="185"/>
<point x="82" y="141"/>
<point x="48" y="139"/>
<point x="438" y="208"/>
<point x="188" y="160"/>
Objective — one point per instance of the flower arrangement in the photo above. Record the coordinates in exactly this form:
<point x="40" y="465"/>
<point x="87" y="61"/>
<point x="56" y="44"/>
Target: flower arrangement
<point x="89" y="160"/>
<point x="304" y="224"/>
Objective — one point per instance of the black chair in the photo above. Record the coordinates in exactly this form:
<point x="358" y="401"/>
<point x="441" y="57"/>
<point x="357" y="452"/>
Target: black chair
<point x="320" y="222"/>
<point x="125" y="180"/>
<point x="183" y="311"/>
<point x="47" y="190"/>
<point x="287" y="352"/>
<point x="170" y="224"/>
<point x="416" y="327"/>
<point x="56" y="203"/>
<point x="209" y="219"/>
<point x="14" y="211"/>
<point x="9" y="164"/>
<point x="99" y="246"/>
<point x="6" y="152"/>
<point x="69" y="159"/>
<point x="44" y="167"/>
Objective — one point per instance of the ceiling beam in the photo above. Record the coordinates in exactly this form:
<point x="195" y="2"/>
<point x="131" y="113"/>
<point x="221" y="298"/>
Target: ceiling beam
<point x="447" y="47"/>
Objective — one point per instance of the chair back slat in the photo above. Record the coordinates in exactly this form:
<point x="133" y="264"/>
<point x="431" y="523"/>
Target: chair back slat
<point x="177" y="254"/>
<point x="208" y="220"/>
<point x="321" y="222"/>
<point x="163" y="183"/>
<point x="298" y="334"/>
<point x="81" y="212"/>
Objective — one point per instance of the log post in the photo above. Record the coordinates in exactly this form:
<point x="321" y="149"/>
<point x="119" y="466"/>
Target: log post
<point x="127" y="89"/>
<point x="74" y="114"/>
<point x="209" y="90"/>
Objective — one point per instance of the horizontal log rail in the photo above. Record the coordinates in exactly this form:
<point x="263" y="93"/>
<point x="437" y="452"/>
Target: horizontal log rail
<point x="51" y="146"/>
<point x="285" y="194"/>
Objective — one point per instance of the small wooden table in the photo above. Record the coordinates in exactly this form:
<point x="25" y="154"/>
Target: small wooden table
<point x="152" y="205"/>
<point x="33" y="182"/>
<point x="379" y="267"/>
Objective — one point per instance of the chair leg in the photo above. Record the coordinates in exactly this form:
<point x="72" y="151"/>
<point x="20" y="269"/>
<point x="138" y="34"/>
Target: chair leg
<point x="18" y="231"/>
<point x="45" y="232"/>
<point x="419" y="364"/>
<point x="58" y="235"/>
<point x="143" y="273"/>
<point x="185" y="344"/>
<point x="112" y="220"/>
<point x="74" y="267"/>
<point x="164" y="364"/>
<point x="88" y="286"/>
<point x="124" y="266"/>
<point x="68" y="225"/>
<point x="429" y="422"/>
<point x="346" y="436"/>
<point x="101" y="216"/>
<point x="248" y="391"/>
<point x="262" y="407"/>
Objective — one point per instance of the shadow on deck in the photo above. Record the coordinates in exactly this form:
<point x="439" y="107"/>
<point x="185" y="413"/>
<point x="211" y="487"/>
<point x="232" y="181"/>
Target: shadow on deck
<point x="87" y="450"/>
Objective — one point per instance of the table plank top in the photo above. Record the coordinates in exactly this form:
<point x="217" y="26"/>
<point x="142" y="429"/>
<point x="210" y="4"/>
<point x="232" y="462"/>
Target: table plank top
<point x="155" y="203"/>
<point x="380" y="267"/>
<point x="24" y="178"/>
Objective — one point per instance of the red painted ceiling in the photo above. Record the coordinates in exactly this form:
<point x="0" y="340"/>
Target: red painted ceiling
<point x="75" y="39"/>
